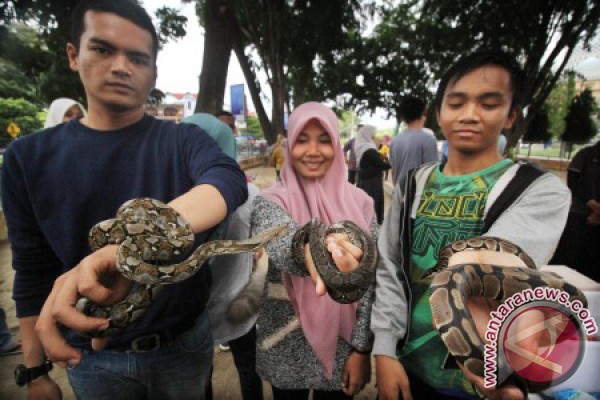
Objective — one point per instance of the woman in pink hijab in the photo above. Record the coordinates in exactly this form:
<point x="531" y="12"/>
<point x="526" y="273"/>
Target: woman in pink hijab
<point x="306" y="340"/>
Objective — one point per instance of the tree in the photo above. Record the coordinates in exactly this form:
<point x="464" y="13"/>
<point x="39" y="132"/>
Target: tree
<point x="537" y="130"/>
<point x="558" y="103"/>
<point x="21" y="112"/>
<point x="416" y="41"/>
<point x="553" y="29"/>
<point x="253" y="127"/>
<point x="219" y="27"/>
<point x="579" y="126"/>
<point x="270" y="36"/>
<point x="43" y="56"/>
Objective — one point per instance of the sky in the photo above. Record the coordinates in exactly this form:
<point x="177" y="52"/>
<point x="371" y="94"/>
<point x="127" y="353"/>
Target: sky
<point x="180" y="62"/>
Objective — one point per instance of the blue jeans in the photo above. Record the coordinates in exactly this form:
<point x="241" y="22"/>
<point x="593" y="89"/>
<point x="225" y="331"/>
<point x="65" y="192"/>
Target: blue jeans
<point x="5" y="335"/>
<point x="178" y="371"/>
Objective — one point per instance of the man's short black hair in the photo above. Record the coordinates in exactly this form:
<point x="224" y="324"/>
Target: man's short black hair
<point x="223" y="113"/>
<point x="411" y="109"/>
<point x="126" y="9"/>
<point x="478" y="59"/>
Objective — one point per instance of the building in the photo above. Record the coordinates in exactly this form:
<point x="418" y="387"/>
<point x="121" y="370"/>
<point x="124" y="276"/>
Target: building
<point x="175" y="106"/>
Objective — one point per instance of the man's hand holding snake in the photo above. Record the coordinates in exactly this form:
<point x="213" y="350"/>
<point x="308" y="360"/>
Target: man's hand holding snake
<point x="86" y="279"/>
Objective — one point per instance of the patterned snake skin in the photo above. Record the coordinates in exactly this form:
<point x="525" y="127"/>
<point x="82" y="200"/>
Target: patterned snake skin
<point x="343" y="287"/>
<point x="152" y="237"/>
<point x="452" y="287"/>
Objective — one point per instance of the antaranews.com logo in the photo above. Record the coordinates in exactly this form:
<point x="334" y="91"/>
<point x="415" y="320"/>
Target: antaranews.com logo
<point x="539" y="335"/>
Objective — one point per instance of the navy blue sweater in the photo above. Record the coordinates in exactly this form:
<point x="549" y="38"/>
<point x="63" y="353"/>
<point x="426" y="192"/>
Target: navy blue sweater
<point x="59" y="182"/>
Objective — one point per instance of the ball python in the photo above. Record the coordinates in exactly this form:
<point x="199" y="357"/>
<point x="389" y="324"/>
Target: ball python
<point x="453" y="286"/>
<point x="153" y="238"/>
<point x="343" y="287"/>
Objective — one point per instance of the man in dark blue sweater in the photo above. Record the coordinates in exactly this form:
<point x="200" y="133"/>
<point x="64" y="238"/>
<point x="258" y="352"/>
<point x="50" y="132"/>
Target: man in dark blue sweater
<point x="59" y="182"/>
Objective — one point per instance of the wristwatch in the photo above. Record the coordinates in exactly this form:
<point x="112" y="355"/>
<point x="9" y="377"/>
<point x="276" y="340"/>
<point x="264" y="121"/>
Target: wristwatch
<point x="24" y="375"/>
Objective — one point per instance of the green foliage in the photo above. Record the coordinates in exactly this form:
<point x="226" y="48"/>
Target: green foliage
<point x="21" y="112"/>
<point x="253" y="127"/>
<point x="558" y="103"/>
<point x="537" y="130"/>
<point x="40" y="53"/>
<point x="13" y="83"/>
<point x="155" y="98"/>
<point x="579" y="126"/>
<point x="417" y="40"/>
<point x="171" y="25"/>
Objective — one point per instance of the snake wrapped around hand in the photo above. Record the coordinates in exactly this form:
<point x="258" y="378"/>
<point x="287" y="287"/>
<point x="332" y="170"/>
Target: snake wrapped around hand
<point x="343" y="287"/>
<point x="153" y="238"/>
<point x="452" y="287"/>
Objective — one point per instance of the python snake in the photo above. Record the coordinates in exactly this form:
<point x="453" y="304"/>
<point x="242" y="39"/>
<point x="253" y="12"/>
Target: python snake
<point x="152" y="237"/>
<point x="343" y="287"/>
<point x="453" y="286"/>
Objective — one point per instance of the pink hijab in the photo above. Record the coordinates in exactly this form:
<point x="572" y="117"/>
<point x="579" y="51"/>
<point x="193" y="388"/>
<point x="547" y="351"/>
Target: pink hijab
<point x="331" y="199"/>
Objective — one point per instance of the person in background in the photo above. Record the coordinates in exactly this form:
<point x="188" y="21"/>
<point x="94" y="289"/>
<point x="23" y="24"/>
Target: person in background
<point x="59" y="182"/>
<point x="63" y="110"/>
<point x="230" y="274"/>
<point x="414" y="146"/>
<point x="305" y="339"/>
<point x="579" y="246"/>
<point x="228" y="119"/>
<point x="278" y="156"/>
<point x="8" y="343"/>
<point x="370" y="168"/>
<point x="350" y="157"/>
<point x="384" y="152"/>
<point x="218" y="130"/>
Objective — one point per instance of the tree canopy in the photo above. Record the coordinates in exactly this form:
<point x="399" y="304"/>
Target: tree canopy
<point x="579" y="126"/>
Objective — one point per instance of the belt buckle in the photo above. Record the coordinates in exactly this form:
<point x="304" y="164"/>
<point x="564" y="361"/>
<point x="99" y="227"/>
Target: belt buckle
<point x="146" y="343"/>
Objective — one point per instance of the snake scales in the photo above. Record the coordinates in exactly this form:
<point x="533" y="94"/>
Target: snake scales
<point x="343" y="287"/>
<point x="452" y="287"/>
<point x="152" y="238"/>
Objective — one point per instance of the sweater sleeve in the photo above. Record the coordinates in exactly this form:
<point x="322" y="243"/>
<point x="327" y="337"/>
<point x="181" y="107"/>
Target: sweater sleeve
<point x="35" y="263"/>
<point x="389" y="318"/>
<point x="266" y="215"/>
<point x="209" y="165"/>
<point x="536" y="219"/>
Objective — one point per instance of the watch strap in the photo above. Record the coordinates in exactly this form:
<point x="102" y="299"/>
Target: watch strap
<point x="24" y="375"/>
<point x="40" y="370"/>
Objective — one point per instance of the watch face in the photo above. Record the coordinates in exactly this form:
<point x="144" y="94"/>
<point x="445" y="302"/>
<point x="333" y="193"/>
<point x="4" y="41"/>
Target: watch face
<point x="21" y="375"/>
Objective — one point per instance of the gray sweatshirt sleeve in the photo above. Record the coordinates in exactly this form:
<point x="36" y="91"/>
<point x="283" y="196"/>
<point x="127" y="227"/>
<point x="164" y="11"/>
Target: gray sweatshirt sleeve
<point x="535" y="221"/>
<point x="389" y="317"/>
<point x="266" y="215"/>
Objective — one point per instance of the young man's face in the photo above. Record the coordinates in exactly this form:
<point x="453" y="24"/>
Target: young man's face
<point x="115" y="62"/>
<point x="475" y="109"/>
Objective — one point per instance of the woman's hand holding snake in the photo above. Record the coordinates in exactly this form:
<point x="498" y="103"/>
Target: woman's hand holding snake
<point x="346" y="256"/>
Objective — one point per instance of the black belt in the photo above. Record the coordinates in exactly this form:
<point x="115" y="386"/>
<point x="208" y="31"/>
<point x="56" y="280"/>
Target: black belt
<point x="156" y="340"/>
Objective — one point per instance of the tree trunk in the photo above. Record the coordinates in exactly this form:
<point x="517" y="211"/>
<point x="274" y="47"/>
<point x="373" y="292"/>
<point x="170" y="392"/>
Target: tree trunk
<point x="218" y="42"/>
<point x="253" y="88"/>
<point x="279" y="98"/>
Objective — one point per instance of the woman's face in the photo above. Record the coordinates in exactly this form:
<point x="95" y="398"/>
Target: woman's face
<point x="73" y="112"/>
<point x="312" y="153"/>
